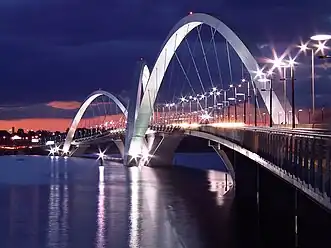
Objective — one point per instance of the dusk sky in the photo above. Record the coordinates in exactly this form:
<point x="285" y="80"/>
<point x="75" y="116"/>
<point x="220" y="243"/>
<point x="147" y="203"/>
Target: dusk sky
<point x="56" y="52"/>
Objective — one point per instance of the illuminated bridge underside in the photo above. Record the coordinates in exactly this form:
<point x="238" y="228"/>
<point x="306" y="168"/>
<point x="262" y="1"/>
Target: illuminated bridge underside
<point x="266" y="164"/>
<point x="176" y="36"/>
<point x="81" y="111"/>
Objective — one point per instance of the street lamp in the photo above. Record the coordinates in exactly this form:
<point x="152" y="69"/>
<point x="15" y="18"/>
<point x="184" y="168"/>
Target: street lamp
<point x="322" y="39"/>
<point x="205" y="97"/>
<point x="264" y="80"/>
<point x="235" y="99"/>
<point x="245" y="109"/>
<point x="265" y="119"/>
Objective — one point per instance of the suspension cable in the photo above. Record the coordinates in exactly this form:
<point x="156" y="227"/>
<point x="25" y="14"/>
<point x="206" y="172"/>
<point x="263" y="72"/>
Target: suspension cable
<point x="205" y="59"/>
<point x="195" y="66"/>
<point x="217" y="61"/>
<point x="229" y="61"/>
<point x="189" y="66"/>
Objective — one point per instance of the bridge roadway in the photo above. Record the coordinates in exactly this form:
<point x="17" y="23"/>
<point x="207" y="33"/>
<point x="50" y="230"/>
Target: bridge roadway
<point x="300" y="156"/>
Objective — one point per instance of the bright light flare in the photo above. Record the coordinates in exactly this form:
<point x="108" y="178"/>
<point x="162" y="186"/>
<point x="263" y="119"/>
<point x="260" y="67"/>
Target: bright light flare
<point x="101" y="155"/>
<point x="321" y="47"/>
<point x="205" y="116"/>
<point x="303" y="47"/>
<point x="52" y="151"/>
<point x="259" y="73"/>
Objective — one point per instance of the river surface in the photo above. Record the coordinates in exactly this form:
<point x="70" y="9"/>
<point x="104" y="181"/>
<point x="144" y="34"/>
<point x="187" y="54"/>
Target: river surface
<point x="73" y="202"/>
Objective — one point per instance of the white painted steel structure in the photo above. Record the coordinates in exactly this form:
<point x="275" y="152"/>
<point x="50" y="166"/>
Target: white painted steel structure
<point x="81" y="111"/>
<point x="174" y="39"/>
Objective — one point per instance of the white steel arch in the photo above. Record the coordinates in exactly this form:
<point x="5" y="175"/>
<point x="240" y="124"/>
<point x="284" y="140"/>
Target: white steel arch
<point x="134" y="106"/>
<point x="81" y="111"/>
<point x="174" y="39"/>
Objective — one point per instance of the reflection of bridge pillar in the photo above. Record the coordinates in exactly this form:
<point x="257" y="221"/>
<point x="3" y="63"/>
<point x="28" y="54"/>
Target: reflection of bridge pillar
<point x="162" y="148"/>
<point x="120" y="145"/>
<point x="264" y="202"/>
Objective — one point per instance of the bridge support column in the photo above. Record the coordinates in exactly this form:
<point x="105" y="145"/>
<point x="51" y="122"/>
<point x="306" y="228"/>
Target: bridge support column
<point x="79" y="151"/>
<point x="277" y="211"/>
<point x="264" y="203"/>
<point x="163" y="148"/>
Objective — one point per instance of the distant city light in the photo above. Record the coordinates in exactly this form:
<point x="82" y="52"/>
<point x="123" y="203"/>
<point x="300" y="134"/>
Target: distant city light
<point x="50" y="143"/>
<point x="16" y="137"/>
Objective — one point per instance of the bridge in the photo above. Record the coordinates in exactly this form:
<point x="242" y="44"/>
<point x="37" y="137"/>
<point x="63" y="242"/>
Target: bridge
<point x="256" y="125"/>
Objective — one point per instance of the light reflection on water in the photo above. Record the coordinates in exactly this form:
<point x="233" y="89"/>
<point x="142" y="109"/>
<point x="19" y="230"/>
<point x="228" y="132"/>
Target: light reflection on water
<point x="134" y="207"/>
<point x="76" y="203"/>
<point x="220" y="183"/>
<point x="101" y="210"/>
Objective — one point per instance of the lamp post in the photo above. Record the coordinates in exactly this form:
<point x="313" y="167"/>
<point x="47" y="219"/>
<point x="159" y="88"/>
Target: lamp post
<point x="299" y="110"/>
<point x="265" y="80"/>
<point x="322" y="39"/>
<point x="309" y="116"/>
<point x="235" y="99"/>
<point x="183" y="100"/>
<point x="247" y="98"/>
<point x="255" y="106"/>
<point x="190" y="107"/>
<point x="293" y="96"/>
<point x="163" y="115"/>
<point x="244" y="102"/>
<point x="264" y="119"/>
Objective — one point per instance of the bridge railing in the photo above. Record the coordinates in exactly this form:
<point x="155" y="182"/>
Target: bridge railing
<point x="305" y="157"/>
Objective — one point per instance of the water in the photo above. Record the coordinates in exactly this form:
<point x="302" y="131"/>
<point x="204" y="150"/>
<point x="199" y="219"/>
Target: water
<point x="72" y="202"/>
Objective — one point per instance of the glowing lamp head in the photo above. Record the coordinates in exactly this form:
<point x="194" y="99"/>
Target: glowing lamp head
<point x="321" y="37"/>
<point x="259" y="73"/>
<point x="205" y="116"/>
<point x="321" y="47"/>
<point x="291" y="62"/>
<point x="190" y="13"/>
<point x="303" y="47"/>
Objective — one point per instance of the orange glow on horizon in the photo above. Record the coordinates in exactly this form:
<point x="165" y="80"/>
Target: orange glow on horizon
<point x="52" y="124"/>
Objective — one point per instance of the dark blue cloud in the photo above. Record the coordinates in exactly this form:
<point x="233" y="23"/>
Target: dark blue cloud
<point x="64" y="49"/>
